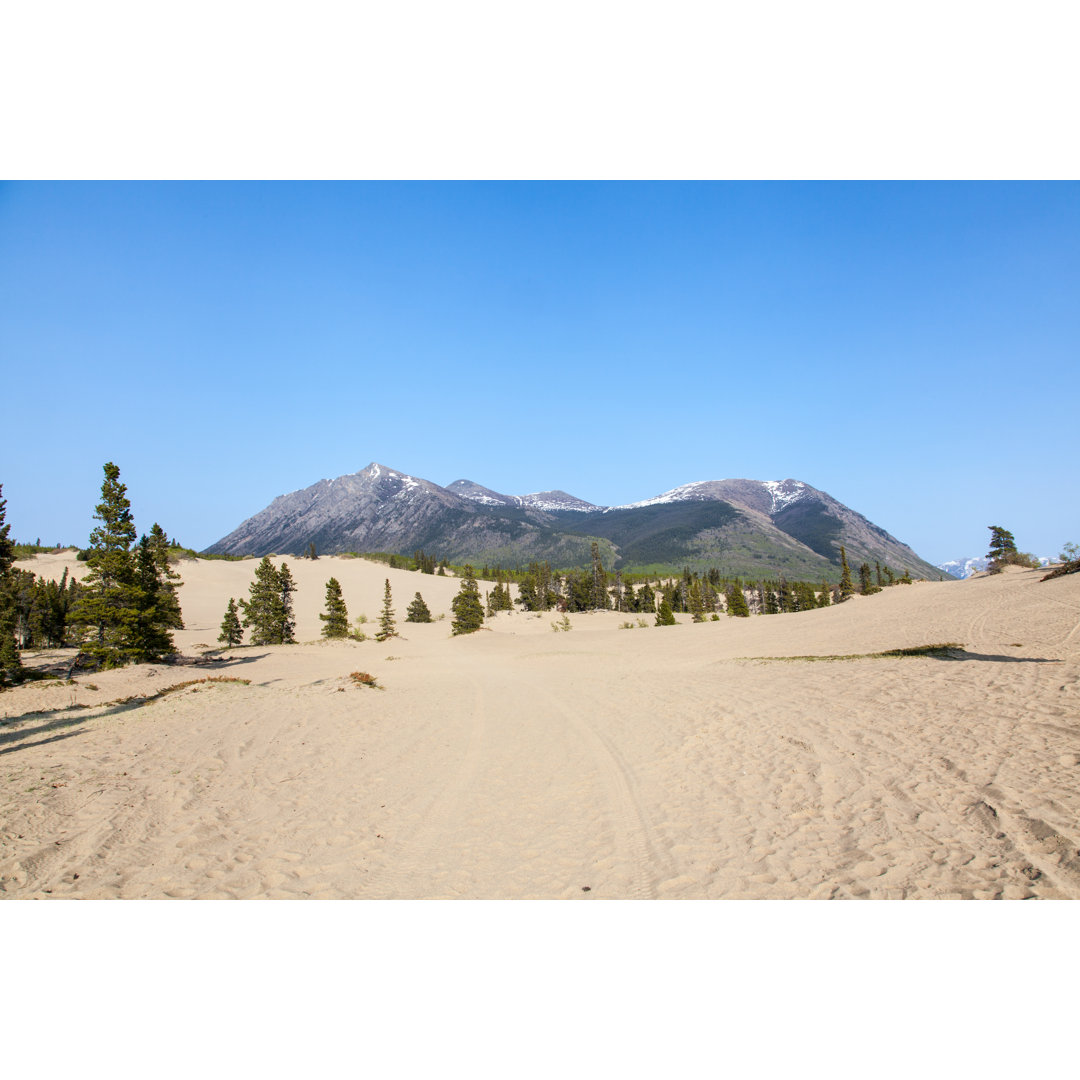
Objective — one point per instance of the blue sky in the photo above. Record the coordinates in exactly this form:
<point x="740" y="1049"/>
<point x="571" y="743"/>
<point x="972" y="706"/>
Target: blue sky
<point x="911" y="348"/>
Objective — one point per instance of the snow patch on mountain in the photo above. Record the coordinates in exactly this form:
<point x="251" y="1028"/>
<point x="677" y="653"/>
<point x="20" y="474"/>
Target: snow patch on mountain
<point x="784" y="493"/>
<point x="683" y="493"/>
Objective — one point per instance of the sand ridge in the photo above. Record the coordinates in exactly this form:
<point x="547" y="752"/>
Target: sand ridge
<point x="677" y="762"/>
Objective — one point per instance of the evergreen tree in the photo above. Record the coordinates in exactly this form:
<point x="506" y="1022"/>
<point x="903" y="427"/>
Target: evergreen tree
<point x="11" y="670"/>
<point x="468" y="611"/>
<point x="262" y="609"/>
<point x="168" y="580"/>
<point x="1002" y="544"/>
<point x="286" y="618"/>
<point x="598" y="597"/>
<point x="736" y="602"/>
<point x="825" y="596"/>
<point x="232" y="633"/>
<point x="152" y="639"/>
<point x="646" y="601"/>
<point x="418" y="611"/>
<point x="109" y="607"/>
<point x="665" y="616"/>
<point x="846" y="587"/>
<point x="697" y="602"/>
<point x="386" y="619"/>
<point x="336" y="617"/>
<point x="877" y="574"/>
<point x="890" y="575"/>
<point x="864" y="579"/>
<point x="1003" y="551"/>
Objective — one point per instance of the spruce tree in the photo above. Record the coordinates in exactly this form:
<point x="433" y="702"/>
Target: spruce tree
<point x="168" y="581"/>
<point x="846" y="587"/>
<point x="598" y="596"/>
<point x="286" y="618"/>
<point x="152" y="640"/>
<point x="1002" y="545"/>
<point x="11" y="671"/>
<point x="467" y="608"/>
<point x="336" y="617"/>
<point x="108" y="609"/>
<point x="697" y="602"/>
<point x="386" y="619"/>
<point x="262" y="609"/>
<point x="664" y="615"/>
<point x="232" y="633"/>
<point x="418" y="611"/>
<point x="864" y="579"/>
<point x="825" y="596"/>
<point x="736" y="602"/>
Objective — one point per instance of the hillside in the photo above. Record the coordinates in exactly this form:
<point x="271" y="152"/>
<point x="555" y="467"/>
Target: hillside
<point x="744" y="527"/>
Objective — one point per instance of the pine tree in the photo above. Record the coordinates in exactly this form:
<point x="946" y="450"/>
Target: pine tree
<point x="336" y="616"/>
<point x="598" y="597"/>
<point x="467" y="608"/>
<point x="736" y="602"/>
<point x="11" y="670"/>
<point x="418" y="611"/>
<point x="825" y="597"/>
<point x="1002" y="544"/>
<point x="697" y="603"/>
<point x="665" y="616"/>
<point x="286" y="618"/>
<point x="168" y="581"/>
<point x="386" y="619"/>
<point x="232" y="633"/>
<point x="108" y="609"/>
<point x="262" y="609"/>
<point x="846" y="587"/>
<point x="152" y="639"/>
<point x="864" y="579"/>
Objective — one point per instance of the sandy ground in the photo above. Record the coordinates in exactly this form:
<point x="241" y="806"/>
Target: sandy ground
<point x="602" y="763"/>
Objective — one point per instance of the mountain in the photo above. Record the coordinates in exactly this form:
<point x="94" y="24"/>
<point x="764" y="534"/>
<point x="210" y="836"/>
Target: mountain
<point x="964" y="568"/>
<point x="752" y="528"/>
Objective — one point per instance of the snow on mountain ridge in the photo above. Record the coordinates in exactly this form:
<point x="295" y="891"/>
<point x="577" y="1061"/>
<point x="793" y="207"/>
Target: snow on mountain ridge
<point x="784" y="493"/>
<point x="683" y="493"/>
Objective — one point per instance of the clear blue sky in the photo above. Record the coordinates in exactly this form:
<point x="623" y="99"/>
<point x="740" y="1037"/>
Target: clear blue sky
<point x="910" y="348"/>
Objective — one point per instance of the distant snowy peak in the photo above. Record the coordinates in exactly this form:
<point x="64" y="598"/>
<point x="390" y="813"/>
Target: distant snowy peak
<point x="770" y="496"/>
<point x="785" y="493"/>
<point x="549" y="501"/>
<point x="555" y="500"/>
<point x="695" y="492"/>
<point x="965" y="568"/>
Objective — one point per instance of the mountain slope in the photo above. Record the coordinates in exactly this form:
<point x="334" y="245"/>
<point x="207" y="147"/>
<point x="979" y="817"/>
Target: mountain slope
<point x="747" y="527"/>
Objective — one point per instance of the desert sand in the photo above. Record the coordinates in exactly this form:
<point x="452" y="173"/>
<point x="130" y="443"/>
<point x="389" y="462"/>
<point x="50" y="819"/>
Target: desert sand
<point x="692" y="761"/>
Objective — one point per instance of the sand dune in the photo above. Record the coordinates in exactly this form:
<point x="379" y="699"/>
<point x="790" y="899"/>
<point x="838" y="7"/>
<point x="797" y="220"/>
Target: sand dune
<point x="677" y="762"/>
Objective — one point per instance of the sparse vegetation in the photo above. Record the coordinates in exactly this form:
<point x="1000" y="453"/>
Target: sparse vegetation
<point x="1003" y="552"/>
<point x="363" y="678"/>
<point x="1070" y="562"/>
<point x="944" y="651"/>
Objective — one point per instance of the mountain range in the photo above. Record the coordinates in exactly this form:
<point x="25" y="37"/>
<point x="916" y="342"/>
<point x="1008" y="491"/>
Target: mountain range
<point x="751" y="528"/>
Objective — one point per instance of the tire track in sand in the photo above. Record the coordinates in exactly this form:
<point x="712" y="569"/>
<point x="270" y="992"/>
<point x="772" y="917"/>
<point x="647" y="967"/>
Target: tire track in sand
<point x="646" y="860"/>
